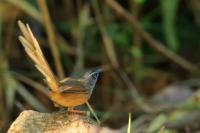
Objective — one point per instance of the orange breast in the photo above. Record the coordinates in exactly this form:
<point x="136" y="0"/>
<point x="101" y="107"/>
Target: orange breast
<point x="69" y="99"/>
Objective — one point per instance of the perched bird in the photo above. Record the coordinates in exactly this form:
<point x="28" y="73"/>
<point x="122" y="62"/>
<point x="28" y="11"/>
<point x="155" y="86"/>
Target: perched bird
<point x="68" y="92"/>
<point x="75" y="91"/>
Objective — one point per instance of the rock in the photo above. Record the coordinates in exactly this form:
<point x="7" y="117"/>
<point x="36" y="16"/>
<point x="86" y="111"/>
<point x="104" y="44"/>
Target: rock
<point x="60" y="122"/>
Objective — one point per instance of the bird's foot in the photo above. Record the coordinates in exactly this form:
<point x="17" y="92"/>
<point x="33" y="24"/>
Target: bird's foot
<point x="73" y="111"/>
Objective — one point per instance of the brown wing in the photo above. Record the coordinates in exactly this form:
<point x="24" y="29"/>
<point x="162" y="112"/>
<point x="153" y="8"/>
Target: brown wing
<point x="74" y="89"/>
<point x="32" y="48"/>
<point x="72" y="85"/>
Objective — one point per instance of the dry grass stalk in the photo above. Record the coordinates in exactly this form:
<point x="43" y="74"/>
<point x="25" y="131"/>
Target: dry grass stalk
<point x="32" y="48"/>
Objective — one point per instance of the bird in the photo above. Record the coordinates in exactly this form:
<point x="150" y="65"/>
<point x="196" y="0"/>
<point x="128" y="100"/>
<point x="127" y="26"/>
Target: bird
<point x="69" y="92"/>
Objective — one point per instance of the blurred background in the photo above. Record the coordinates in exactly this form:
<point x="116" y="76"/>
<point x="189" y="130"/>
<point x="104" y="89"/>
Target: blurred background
<point x="149" y="49"/>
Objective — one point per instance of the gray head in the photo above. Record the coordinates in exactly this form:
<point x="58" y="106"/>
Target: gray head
<point x="91" y="79"/>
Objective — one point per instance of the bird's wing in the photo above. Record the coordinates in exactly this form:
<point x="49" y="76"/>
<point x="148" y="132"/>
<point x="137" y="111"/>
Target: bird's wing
<point x="73" y="86"/>
<point x="32" y="48"/>
<point x="74" y="89"/>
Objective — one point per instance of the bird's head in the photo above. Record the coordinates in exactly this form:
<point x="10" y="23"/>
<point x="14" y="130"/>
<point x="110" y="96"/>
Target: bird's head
<point x="91" y="78"/>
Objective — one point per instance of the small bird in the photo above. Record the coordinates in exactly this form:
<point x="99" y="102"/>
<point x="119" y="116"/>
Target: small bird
<point x="69" y="92"/>
<point x="75" y="91"/>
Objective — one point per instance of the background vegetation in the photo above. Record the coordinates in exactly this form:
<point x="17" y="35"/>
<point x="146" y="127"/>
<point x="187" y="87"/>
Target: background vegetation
<point x="148" y="48"/>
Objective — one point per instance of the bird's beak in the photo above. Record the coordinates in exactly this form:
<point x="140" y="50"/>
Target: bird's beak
<point x="100" y="70"/>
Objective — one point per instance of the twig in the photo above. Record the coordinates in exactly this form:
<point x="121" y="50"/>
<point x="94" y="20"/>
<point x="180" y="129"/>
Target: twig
<point x="109" y="47"/>
<point x="137" y="41"/>
<point x="106" y="39"/>
<point x="158" y="46"/>
<point x="93" y="113"/>
<point x="79" y="32"/>
<point x="134" y="93"/>
<point x="51" y="37"/>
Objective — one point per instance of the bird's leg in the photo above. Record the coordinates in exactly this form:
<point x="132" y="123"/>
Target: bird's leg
<point x="72" y="110"/>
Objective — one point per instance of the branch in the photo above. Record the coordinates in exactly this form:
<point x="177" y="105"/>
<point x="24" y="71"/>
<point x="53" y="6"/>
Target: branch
<point x="106" y="39"/>
<point x="152" y="42"/>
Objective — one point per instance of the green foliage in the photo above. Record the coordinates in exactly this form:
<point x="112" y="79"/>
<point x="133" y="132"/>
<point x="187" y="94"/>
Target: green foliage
<point x="129" y="123"/>
<point x="140" y="1"/>
<point x="66" y="27"/>
<point x="120" y="33"/>
<point x="157" y="123"/>
<point x="136" y="52"/>
<point x="169" y="10"/>
<point x="10" y="92"/>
